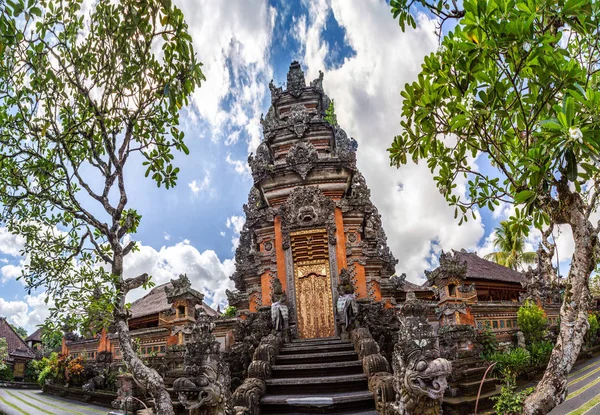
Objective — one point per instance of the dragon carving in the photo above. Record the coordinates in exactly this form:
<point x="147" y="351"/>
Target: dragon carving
<point x="205" y="388"/>
<point x="419" y="371"/>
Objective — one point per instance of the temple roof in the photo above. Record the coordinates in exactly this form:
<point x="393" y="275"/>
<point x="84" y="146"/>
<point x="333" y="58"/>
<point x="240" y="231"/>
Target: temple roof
<point x="36" y="336"/>
<point x="16" y="345"/>
<point x="479" y="268"/>
<point x="156" y="301"/>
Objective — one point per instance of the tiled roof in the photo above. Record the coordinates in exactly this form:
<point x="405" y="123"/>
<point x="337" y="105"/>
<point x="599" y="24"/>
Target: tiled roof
<point x="36" y="336"/>
<point x="479" y="268"/>
<point x="156" y="301"/>
<point x="16" y="345"/>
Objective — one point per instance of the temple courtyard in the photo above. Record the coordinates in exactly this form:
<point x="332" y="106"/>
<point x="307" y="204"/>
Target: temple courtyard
<point x="583" y="398"/>
<point x="34" y="402"/>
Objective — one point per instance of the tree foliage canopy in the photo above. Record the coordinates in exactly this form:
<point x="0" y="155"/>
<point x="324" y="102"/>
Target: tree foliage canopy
<point x="510" y="247"/>
<point x="517" y="81"/>
<point x="81" y="93"/>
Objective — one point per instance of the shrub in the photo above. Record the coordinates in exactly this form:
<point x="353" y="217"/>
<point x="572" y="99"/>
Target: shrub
<point x="511" y="364"/>
<point x="6" y="373"/>
<point x="489" y="343"/>
<point x="510" y="402"/>
<point x="592" y="334"/>
<point x="230" y="311"/>
<point x="532" y="322"/>
<point x="33" y="369"/>
<point x="74" y="371"/>
<point x="540" y="352"/>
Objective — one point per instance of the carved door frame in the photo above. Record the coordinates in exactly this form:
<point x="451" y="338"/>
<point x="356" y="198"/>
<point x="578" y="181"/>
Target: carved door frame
<point x="291" y="287"/>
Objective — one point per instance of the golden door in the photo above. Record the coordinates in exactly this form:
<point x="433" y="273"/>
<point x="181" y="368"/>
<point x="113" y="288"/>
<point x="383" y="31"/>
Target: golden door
<point x="314" y="302"/>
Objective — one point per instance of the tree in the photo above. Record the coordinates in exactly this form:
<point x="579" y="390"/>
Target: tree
<point x="516" y="85"/>
<point x="20" y="331"/>
<point x="3" y="353"/>
<point x="595" y="285"/>
<point x="81" y="94"/>
<point x="532" y="322"/>
<point x="510" y="247"/>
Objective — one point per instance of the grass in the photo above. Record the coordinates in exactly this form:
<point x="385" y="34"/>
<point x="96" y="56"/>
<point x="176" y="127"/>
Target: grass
<point x="5" y="402"/>
<point x="586" y="407"/>
<point x="30" y="404"/>
<point x="583" y="389"/>
<point x="580" y="378"/>
<point x="53" y="406"/>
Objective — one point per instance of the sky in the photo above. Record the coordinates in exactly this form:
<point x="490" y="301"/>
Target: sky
<point x="243" y="44"/>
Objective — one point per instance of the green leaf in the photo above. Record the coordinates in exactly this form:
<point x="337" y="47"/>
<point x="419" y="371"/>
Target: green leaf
<point x="571" y="161"/>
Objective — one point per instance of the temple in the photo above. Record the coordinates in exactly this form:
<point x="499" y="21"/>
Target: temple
<point x="156" y="323"/>
<point x="320" y="313"/>
<point x="309" y="214"/>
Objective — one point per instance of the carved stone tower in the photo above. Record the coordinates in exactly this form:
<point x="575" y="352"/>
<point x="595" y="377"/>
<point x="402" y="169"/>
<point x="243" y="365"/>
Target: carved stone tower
<point x="309" y="214"/>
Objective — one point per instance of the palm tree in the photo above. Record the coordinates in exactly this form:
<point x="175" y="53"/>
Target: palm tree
<point x="510" y="245"/>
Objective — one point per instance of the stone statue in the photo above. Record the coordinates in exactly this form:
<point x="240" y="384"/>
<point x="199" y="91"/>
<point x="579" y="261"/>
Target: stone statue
<point x="521" y="340"/>
<point x="279" y="308"/>
<point x="346" y="307"/>
<point x="419" y="372"/>
<point x="205" y="388"/>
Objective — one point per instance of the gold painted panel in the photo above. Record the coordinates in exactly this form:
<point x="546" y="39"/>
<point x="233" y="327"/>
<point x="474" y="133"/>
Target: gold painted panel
<point x="314" y="300"/>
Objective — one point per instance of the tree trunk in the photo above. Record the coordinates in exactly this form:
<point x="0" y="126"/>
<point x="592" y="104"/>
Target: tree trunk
<point x="552" y="389"/>
<point x="147" y="377"/>
<point x="143" y="375"/>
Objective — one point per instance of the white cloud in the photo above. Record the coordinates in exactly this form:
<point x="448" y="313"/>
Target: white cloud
<point x="222" y="233"/>
<point x="204" y="185"/>
<point x="232" y="41"/>
<point x="11" y="272"/>
<point x="366" y="89"/>
<point x="27" y="314"/>
<point x="207" y="273"/>
<point x="236" y="224"/>
<point x="167" y="236"/>
<point x="241" y="167"/>
<point x="10" y="244"/>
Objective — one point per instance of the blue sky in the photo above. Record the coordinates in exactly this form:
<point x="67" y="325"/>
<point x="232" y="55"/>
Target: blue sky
<point x="243" y="45"/>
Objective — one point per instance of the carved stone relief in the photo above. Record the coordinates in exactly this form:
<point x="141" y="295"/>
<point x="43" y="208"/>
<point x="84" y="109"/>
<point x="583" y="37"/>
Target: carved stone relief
<point x="301" y="158"/>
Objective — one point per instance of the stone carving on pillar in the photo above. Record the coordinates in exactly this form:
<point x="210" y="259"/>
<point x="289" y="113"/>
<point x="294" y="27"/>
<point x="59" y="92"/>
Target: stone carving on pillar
<point x="375" y="366"/>
<point x="298" y="119"/>
<point x="276" y="92"/>
<point x="301" y="158"/>
<point x="247" y="258"/>
<point x="345" y="147"/>
<point x="307" y="207"/>
<point x="295" y="80"/>
<point x="262" y="163"/>
<point x="246" y="397"/>
<point x="271" y="123"/>
<point x="419" y="372"/>
<point x="205" y="388"/>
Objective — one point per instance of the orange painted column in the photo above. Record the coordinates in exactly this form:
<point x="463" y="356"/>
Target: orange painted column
<point x="340" y="247"/>
<point x="361" y="280"/>
<point x="279" y="255"/>
<point x="252" y="299"/>
<point x="64" y="349"/>
<point x="265" y="286"/>
<point x="104" y="343"/>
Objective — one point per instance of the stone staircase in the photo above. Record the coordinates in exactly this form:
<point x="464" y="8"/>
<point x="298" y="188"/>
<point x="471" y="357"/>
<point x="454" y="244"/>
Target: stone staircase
<point x="318" y="376"/>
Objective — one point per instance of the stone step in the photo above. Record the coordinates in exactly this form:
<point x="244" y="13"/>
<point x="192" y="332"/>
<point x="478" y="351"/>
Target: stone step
<point x="314" y="343"/>
<point x="322" y="384"/>
<point x="317" y="348"/>
<point x="472" y="387"/>
<point x="317" y="340"/>
<point x="317" y="369"/>
<point x="466" y="404"/>
<point x="360" y="402"/>
<point x="308" y="358"/>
